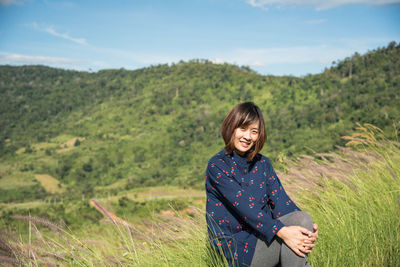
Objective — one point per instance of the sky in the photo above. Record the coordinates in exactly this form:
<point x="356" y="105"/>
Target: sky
<point x="274" y="37"/>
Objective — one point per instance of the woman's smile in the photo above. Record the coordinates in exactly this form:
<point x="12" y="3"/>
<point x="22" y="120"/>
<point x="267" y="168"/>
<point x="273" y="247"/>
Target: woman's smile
<point x="245" y="137"/>
<point x="245" y="144"/>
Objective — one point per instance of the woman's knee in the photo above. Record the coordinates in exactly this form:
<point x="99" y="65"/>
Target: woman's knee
<point x="305" y="220"/>
<point x="300" y="218"/>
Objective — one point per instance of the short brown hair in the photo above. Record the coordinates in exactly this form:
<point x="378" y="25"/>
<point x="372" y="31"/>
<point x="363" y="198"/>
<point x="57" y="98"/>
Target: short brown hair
<point x="243" y="114"/>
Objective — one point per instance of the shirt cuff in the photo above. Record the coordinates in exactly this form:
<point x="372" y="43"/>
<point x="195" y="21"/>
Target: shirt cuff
<point x="275" y="229"/>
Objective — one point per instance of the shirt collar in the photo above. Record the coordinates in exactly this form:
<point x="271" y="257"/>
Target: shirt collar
<point x="241" y="161"/>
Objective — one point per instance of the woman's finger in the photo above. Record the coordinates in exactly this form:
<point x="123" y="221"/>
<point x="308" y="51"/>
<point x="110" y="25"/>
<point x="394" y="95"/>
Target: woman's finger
<point x="313" y="236"/>
<point x="312" y="239"/>
<point x="309" y="246"/>
<point x="304" y="250"/>
<point x="298" y="252"/>
<point x="309" y="241"/>
<point x="304" y="231"/>
<point x="315" y="229"/>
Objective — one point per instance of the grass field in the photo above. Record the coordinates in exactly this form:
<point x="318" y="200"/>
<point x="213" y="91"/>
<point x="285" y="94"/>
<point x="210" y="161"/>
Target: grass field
<point x="69" y="145"/>
<point x="353" y="195"/>
<point x="49" y="183"/>
<point x="16" y="179"/>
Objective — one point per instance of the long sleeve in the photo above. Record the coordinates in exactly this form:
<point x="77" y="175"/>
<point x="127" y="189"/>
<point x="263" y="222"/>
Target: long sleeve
<point x="279" y="202"/>
<point x="240" y="201"/>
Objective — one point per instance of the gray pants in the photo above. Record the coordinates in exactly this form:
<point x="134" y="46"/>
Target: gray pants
<point x="278" y="253"/>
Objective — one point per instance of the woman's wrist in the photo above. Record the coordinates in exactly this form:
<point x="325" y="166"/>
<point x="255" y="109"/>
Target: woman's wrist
<point x="281" y="232"/>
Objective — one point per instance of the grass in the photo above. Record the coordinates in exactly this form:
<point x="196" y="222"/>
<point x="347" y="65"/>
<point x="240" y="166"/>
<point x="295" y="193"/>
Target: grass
<point x="49" y="183"/>
<point x="359" y="221"/>
<point x="164" y="240"/>
<point x="23" y="206"/>
<point x="354" y="196"/>
<point x="69" y="145"/>
<point x="16" y="179"/>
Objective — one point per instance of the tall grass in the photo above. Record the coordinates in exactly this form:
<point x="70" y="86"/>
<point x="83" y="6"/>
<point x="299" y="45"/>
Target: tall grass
<point x="358" y="210"/>
<point x="353" y="195"/>
<point x="163" y="240"/>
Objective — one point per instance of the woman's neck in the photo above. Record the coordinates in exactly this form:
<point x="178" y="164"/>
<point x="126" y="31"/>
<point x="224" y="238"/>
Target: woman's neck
<point x="242" y="154"/>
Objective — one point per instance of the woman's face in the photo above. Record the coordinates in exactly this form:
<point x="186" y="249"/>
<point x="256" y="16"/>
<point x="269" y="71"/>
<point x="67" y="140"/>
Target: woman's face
<point x="245" y="137"/>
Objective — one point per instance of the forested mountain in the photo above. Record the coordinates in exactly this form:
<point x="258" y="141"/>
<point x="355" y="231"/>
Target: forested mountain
<point x="159" y="125"/>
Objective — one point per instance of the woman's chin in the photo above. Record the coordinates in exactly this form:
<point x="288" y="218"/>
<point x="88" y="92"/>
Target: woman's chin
<point x="242" y="150"/>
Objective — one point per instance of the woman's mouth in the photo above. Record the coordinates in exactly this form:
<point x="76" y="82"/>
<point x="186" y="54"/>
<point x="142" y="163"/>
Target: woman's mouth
<point x="245" y="144"/>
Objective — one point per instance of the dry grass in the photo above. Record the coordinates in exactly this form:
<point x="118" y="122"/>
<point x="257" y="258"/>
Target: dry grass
<point x="49" y="183"/>
<point x="67" y="146"/>
<point x="357" y="226"/>
<point x="124" y="244"/>
<point x="361" y="151"/>
<point x="305" y="172"/>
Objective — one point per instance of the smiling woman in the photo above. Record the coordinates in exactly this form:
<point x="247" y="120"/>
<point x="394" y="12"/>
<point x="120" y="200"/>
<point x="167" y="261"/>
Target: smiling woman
<point x="251" y="220"/>
<point x="243" y="130"/>
<point x="245" y="137"/>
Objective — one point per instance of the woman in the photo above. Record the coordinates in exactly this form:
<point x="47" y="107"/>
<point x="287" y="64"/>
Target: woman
<point x="251" y="220"/>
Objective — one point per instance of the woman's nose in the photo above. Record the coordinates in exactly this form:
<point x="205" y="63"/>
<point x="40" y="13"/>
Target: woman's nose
<point x="246" y="134"/>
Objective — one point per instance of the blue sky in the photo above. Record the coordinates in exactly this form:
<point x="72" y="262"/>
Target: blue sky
<point x="285" y="37"/>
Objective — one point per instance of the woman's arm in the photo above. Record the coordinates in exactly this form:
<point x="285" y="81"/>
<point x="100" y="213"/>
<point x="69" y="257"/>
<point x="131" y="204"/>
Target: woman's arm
<point x="279" y="202"/>
<point x="237" y="199"/>
<point x="298" y="238"/>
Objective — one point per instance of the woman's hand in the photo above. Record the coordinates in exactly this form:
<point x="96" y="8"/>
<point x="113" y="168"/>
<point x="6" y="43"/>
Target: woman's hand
<point x="314" y="235"/>
<point x="309" y="244"/>
<point x="298" y="238"/>
<point x="315" y="228"/>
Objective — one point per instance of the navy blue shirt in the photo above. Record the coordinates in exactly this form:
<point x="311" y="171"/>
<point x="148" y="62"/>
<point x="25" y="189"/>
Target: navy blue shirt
<point x="244" y="201"/>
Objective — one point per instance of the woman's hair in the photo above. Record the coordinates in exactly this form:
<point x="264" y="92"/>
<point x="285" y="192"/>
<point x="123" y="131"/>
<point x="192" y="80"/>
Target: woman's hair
<point x="243" y="114"/>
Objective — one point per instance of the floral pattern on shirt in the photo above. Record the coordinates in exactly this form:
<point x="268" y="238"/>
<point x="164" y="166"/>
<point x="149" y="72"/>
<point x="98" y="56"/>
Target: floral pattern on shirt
<point x="244" y="202"/>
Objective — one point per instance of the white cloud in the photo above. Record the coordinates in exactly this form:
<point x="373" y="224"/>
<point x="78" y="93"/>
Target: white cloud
<point x="24" y="59"/>
<point x="141" y="58"/>
<point x="52" y="31"/>
<point x="318" y="4"/>
<point x="285" y="55"/>
<point x="60" y="62"/>
<point x="259" y="58"/>
<point x="257" y="3"/>
<point x="256" y="64"/>
<point x="217" y="61"/>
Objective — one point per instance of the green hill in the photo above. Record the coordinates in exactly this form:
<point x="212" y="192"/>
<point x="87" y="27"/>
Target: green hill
<point x="116" y="129"/>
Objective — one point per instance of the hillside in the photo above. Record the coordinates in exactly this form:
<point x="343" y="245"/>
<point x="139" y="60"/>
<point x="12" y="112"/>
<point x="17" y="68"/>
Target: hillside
<point x="114" y="130"/>
<point x="343" y="201"/>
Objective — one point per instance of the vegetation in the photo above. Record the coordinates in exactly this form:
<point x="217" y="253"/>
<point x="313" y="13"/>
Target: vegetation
<point x="138" y="142"/>
<point x="160" y="125"/>
<point x="355" y="204"/>
<point x="355" y="200"/>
